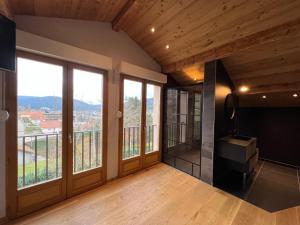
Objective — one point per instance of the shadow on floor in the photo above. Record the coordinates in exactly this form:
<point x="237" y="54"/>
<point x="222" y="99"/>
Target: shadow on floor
<point x="274" y="187"/>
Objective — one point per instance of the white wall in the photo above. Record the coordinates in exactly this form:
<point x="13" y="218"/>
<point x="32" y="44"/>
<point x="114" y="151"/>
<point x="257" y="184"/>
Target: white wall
<point x="2" y="157"/>
<point x="94" y="36"/>
<point x="99" y="38"/>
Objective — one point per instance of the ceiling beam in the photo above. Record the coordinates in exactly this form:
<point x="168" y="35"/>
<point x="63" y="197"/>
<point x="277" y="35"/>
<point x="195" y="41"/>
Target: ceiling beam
<point x="291" y="29"/>
<point x="117" y="21"/>
<point x="6" y="9"/>
<point x="286" y="87"/>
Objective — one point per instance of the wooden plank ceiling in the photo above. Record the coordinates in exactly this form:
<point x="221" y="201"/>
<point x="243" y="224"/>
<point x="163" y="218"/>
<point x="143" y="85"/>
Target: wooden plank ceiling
<point x="253" y="35"/>
<point x="97" y="10"/>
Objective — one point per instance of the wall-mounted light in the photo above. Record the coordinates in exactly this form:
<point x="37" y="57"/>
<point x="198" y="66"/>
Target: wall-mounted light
<point x="167" y="46"/>
<point x="244" y="89"/>
<point x="264" y="97"/>
<point x="295" y="95"/>
<point x="152" y="29"/>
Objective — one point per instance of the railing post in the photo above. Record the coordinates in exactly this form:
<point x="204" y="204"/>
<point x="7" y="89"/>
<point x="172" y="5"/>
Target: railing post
<point x="124" y="143"/>
<point x="75" y="152"/>
<point x="24" y="161"/>
<point x="152" y="141"/>
<point x="133" y="139"/>
<point x="129" y="149"/>
<point x="47" y="158"/>
<point x="90" y="149"/>
<point x="149" y="137"/>
<point x="97" y="146"/>
<point x="56" y="154"/>
<point x="35" y="158"/>
<point x="82" y="151"/>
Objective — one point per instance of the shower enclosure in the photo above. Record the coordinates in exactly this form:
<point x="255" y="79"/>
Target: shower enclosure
<point x="182" y="128"/>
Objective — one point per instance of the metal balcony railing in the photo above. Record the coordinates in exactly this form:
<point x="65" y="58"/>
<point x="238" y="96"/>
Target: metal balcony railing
<point x="131" y="140"/>
<point x="86" y="150"/>
<point x="39" y="158"/>
<point x="40" y="155"/>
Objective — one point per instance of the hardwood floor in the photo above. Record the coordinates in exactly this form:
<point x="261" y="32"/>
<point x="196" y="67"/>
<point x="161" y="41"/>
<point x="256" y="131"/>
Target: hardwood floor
<point x="159" y="195"/>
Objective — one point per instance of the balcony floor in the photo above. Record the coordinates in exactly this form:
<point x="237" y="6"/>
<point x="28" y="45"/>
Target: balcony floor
<point x="159" y="195"/>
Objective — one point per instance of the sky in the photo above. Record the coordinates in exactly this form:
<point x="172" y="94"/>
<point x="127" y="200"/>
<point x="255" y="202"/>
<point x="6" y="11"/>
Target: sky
<point x="43" y="79"/>
<point x="134" y="89"/>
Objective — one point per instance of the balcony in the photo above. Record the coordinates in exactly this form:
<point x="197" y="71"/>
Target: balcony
<point x="40" y="155"/>
<point x="131" y="140"/>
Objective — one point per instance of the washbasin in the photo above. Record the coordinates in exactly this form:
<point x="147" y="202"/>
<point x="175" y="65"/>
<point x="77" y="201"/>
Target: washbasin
<point x="237" y="148"/>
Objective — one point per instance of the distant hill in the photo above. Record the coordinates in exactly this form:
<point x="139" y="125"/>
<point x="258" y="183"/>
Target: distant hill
<point x="53" y="103"/>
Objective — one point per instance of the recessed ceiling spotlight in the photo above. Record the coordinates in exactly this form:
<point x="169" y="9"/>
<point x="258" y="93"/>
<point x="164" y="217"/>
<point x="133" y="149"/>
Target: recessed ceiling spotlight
<point x="153" y="29"/>
<point x="167" y="46"/>
<point x="295" y="95"/>
<point x="264" y="97"/>
<point x="244" y="89"/>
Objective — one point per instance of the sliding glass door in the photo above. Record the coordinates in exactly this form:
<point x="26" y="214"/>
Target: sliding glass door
<point x="57" y="129"/>
<point x="139" y="138"/>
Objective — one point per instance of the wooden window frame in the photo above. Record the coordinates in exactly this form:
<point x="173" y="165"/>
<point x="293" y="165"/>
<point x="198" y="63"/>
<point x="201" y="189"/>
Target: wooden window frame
<point x="143" y="155"/>
<point x="11" y="133"/>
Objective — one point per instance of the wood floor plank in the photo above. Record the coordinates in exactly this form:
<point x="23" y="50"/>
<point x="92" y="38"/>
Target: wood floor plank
<point x="287" y="217"/>
<point x="158" y="195"/>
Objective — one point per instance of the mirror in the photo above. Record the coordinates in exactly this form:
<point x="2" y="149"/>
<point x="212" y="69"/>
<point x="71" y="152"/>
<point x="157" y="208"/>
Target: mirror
<point x="230" y="106"/>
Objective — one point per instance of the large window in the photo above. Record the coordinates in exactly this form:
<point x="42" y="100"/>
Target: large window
<point x="140" y="124"/>
<point x="87" y="120"/>
<point x="132" y="109"/>
<point x="152" y="118"/>
<point x="57" y="131"/>
<point x="39" y="91"/>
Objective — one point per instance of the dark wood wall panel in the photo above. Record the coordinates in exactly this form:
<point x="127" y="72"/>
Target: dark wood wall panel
<point x="277" y="131"/>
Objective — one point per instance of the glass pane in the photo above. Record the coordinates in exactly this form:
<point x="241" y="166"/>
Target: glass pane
<point x="39" y="122"/>
<point x="197" y="117"/>
<point x="87" y="120"/>
<point x="152" y="118"/>
<point x="183" y="117"/>
<point x="132" y="103"/>
<point x="172" y="129"/>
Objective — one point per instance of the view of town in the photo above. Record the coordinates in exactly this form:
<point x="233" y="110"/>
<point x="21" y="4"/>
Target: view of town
<point x="40" y="121"/>
<point x="40" y="137"/>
